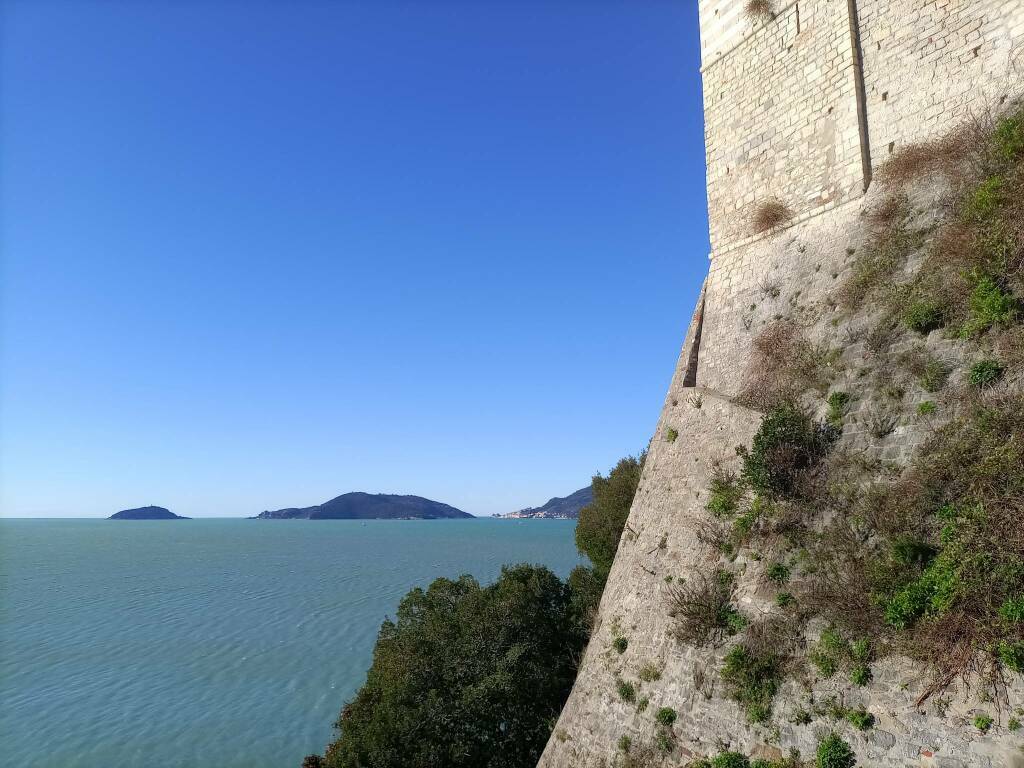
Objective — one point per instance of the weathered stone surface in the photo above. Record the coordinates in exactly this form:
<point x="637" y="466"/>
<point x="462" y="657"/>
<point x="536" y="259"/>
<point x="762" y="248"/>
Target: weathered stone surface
<point x="782" y="120"/>
<point x="780" y="97"/>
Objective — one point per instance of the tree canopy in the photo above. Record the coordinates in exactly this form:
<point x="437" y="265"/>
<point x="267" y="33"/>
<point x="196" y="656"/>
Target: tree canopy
<point x="600" y="525"/>
<point x="465" y="676"/>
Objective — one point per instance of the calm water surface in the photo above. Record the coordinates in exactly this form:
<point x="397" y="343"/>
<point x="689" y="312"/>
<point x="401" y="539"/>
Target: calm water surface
<point x="213" y="643"/>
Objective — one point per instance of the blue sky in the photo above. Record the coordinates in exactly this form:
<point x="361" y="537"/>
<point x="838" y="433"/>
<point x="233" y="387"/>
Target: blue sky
<point x="259" y="254"/>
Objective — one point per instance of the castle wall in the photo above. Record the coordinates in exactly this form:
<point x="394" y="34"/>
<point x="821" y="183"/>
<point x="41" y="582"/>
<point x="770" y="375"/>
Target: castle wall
<point x="929" y="64"/>
<point x="781" y="96"/>
<point x="780" y="117"/>
<point x="792" y="109"/>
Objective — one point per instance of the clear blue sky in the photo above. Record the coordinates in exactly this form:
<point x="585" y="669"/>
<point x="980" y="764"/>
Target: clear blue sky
<point x="259" y="254"/>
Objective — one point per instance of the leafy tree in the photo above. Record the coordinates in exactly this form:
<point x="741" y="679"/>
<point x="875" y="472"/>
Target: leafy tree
<point x="465" y="676"/>
<point x="600" y="524"/>
<point x="598" y="531"/>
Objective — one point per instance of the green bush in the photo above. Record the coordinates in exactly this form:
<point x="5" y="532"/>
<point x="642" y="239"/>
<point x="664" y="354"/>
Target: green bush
<point x="837" y="403"/>
<point x="983" y="722"/>
<point x="1012" y="610"/>
<point x="620" y="644"/>
<point x="909" y="550"/>
<point x="725" y="494"/>
<point x="825" y="664"/>
<point x="473" y="671"/>
<point x="627" y="691"/>
<point x="600" y="524"/>
<point x="664" y="741"/>
<point x="984" y="202"/>
<point x="666" y="716"/>
<point x="833" y="752"/>
<point x="778" y="572"/>
<point x="730" y="760"/>
<point x="989" y="305"/>
<point x="934" y="592"/>
<point x="784" y="599"/>
<point x="1011" y="654"/>
<point x="985" y="373"/>
<point x="1009" y="138"/>
<point x="860" y="675"/>
<point x="671" y="434"/>
<point x="860" y="650"/>
<point x="752" y="680"/>
<point x="625" y="743"/>
<point x="860" y="719"/>
<point x="787" y="444"/>
<point x="833" y="642"/>
<point x="926" y="408"/>
<point x="923" y="315"/>
<point x="585" y="588"/>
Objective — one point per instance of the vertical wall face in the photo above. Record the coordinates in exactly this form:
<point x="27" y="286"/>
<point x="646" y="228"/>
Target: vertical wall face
<point x="780" y="96"/>
<point x="722" y="26"/>
<point x="782" y="120"/>
<point x="930" y="64"/>
<point x="780" y="112"/>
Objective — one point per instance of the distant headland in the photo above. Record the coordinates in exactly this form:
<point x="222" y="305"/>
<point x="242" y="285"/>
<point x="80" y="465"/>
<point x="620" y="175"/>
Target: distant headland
<point x="558" y="508"/>
<point x="146" y="513"/>
<point x="369" y="506"/>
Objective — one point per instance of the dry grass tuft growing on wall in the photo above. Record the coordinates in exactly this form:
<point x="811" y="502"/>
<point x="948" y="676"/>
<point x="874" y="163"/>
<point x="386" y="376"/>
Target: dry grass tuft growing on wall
<point x="876" y="264"/>
<point x="887" y="214"/>
<point x="770" y="215"/>
<point x="970" y="149"/>
<point x="784" y="364"/>
<point x="703" y="609"/>
<point x="949" y="154"/>
<point x="759" y="10"/>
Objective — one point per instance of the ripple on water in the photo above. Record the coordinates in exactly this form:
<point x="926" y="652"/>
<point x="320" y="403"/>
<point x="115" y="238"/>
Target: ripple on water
<point x="214" y="642"/>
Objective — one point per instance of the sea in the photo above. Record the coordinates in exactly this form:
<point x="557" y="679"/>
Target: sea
<point x="213" y="643"/>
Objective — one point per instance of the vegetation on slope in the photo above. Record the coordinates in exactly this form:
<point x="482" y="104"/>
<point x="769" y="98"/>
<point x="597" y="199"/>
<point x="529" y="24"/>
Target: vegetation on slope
<point x="465" y="675"/>
<point x="472" y="676"/>
<point x="923" y="559"/>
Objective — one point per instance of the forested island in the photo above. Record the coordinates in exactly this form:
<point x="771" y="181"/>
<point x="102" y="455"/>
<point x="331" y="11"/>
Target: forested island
<point x="369" y="506"/>
<point x="146" y="513"/>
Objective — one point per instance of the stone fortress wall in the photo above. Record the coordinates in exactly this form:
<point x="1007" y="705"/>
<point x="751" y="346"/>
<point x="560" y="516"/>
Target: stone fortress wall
<point x="782" y="116"/>
<point x="800" y="108"/>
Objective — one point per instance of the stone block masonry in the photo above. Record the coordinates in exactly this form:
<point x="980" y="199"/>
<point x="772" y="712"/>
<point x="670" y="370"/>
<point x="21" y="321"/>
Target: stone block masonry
<point x="794" y="106"/>
<point x="799" y="106"/>
<point x="780" y="115"/>
<point x="928" y="63"/>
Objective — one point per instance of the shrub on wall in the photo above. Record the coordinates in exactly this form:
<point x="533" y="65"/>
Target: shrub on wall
<point x="759" y="10"/>
<point x="770" y="214"/>
<point x="787" y="445"/>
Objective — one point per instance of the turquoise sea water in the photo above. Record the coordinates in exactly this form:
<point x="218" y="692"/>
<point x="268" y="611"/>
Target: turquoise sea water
<point x="213" y="643"/>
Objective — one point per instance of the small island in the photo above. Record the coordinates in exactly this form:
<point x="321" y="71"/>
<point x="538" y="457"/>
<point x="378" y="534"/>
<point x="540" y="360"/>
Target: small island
<point x="369" y="506"/>
<point x="146" y="513"/>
